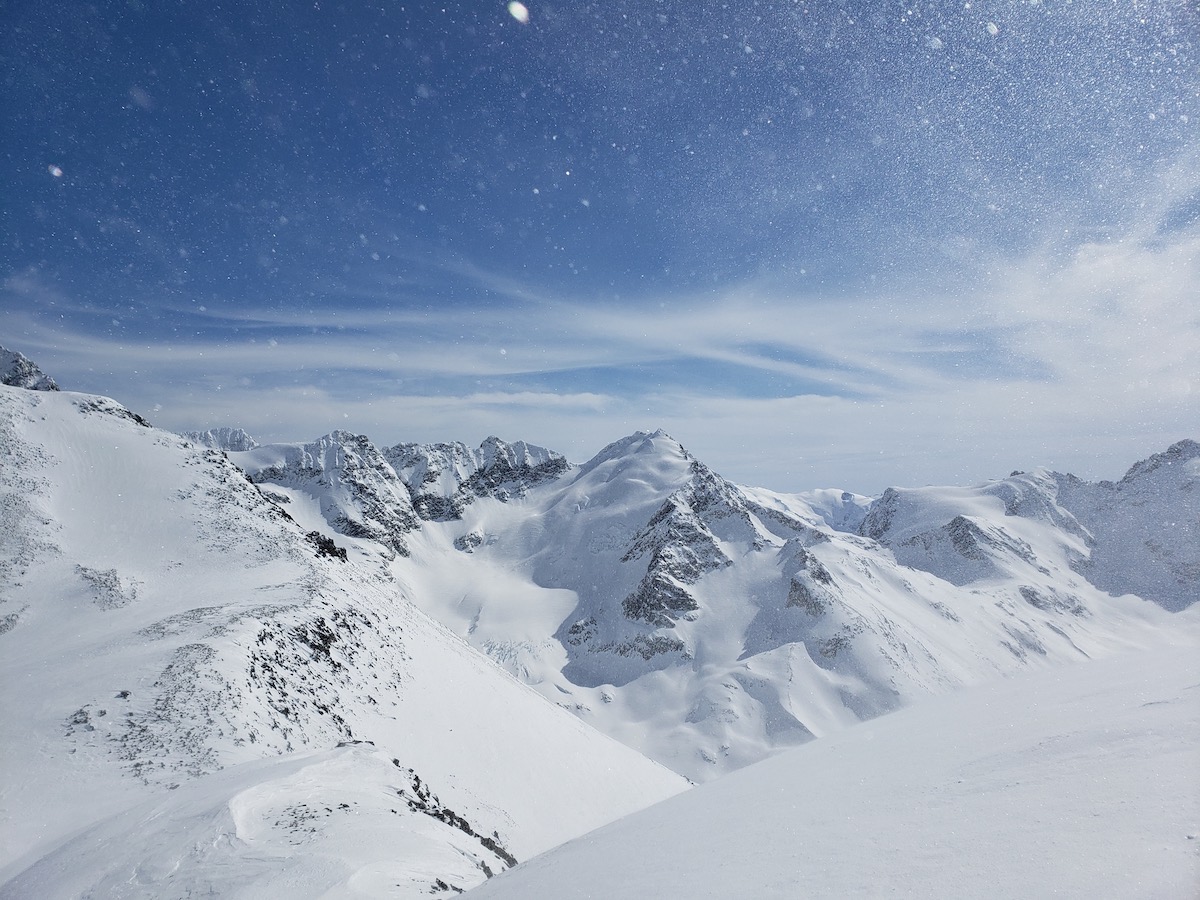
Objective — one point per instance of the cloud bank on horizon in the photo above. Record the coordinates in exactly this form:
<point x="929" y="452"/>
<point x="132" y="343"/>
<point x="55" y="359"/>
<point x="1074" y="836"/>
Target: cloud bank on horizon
<point x="843" y="246"/>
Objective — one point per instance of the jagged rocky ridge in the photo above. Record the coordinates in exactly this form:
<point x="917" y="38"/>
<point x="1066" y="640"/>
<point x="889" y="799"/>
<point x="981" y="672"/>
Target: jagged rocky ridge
<point x="17" y="370"/>
<point x="443" y="479"/>
<point x="365" y="492"/>
<point x="358" y="491"/>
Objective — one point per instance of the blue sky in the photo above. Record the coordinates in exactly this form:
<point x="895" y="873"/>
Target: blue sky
<point x="835" y="244"/>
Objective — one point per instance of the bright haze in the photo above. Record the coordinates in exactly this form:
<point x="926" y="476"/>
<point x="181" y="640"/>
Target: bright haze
<point x="843" y="244"/>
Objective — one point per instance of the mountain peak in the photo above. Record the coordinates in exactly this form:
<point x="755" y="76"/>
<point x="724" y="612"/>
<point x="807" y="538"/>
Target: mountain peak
<point x="640" y="442"/>
<point x="18" y="370"/>
<point x="1179" y="452"/>
<point x="494" y="452"/>
<point x="235" y="440"/>
<point x="359" y="492"/>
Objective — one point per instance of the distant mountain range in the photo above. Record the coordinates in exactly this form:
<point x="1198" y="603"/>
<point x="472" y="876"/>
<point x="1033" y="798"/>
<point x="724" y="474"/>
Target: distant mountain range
<point x="708" y="624"/>
<point x="218" y="654"/>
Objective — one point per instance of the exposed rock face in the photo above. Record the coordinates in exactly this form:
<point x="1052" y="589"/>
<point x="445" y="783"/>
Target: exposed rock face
<point x="359" y="493"/>
<point x="680" y="548"/>
<point x="17" y="370"/>
<point x="443" y="479"/>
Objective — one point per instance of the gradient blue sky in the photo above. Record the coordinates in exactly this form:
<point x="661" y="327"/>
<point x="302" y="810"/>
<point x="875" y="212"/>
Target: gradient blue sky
<point x="825" y="244"/>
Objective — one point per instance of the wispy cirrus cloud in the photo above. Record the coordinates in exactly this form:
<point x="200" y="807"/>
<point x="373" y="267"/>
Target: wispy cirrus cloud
<point x="1079" y="354"/>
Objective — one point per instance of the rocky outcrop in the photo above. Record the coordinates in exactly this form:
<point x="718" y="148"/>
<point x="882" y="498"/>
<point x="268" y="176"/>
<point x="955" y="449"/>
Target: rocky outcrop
<point x="359" y="492"/>
<point x="17" y="370"/>
<point x="443" y="479"/>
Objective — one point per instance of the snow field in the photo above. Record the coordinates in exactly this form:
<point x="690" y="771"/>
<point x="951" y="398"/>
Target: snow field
<point x="1079" y="782"/>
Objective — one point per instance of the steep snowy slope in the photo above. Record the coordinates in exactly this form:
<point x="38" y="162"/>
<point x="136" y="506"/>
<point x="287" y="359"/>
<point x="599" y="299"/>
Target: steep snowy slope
<point x="180" y="661"/>
<point x="1079" y="782"/>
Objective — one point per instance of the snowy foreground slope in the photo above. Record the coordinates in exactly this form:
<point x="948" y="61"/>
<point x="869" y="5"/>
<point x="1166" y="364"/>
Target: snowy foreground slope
<point x="198" y="697"/>
<point x="709" y="625"/>
<point x="1080" y="782"/>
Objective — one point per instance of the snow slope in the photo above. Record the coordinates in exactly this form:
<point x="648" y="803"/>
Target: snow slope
<point x="200" y="695"/>
<point x="1079" y="782"/>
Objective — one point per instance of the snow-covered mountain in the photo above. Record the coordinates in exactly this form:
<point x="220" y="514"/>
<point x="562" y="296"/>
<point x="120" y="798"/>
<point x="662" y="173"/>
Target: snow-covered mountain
<point x="1145" y="529"/>
<point x="234" y="668"/>
<point x="1140" y="535"/>
<point x="223" y="439"/>
<point x="201" y="696"/>
<point x="709" y="625"/>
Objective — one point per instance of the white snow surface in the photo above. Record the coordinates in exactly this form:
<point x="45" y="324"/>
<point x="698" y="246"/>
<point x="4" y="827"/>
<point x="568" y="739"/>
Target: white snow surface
<point x="178" y="667"/>
<point x="1077" y="782"/>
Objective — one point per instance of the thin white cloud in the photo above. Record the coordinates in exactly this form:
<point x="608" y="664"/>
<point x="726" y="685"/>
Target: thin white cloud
<point x="1096" y="347"/>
